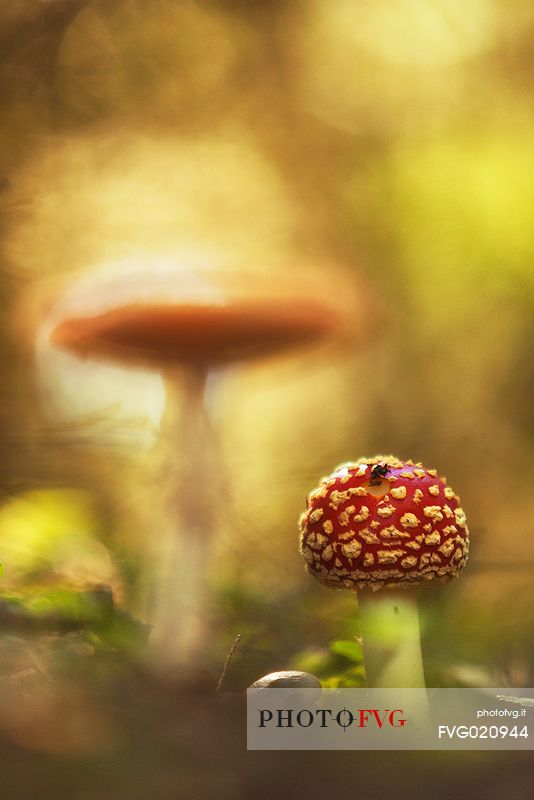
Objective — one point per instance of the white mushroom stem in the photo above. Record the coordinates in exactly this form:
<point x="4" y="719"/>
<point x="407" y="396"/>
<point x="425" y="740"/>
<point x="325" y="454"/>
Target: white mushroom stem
<point x="183" y="536"/>
<point x="389" y="622"/>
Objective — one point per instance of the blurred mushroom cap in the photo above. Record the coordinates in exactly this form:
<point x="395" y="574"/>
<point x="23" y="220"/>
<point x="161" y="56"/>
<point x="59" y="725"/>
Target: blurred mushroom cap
<point x="166" y="314"/>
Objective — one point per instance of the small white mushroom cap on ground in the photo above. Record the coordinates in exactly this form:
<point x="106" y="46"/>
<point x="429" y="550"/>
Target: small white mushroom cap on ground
<point x="287" y="679"/>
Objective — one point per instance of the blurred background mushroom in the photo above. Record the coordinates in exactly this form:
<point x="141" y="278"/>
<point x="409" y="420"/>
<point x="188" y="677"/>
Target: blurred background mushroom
<point x="185" y="325"/>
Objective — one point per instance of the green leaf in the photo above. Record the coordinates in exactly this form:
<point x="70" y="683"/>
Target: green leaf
<point x="350" y="649"/>
<point x="350" y="679"/>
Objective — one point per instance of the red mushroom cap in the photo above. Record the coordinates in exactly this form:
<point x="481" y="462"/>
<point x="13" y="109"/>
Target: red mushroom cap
<point x="383" y="522"/>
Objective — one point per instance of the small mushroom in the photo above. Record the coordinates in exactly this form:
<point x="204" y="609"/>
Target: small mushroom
<point x="287" y="679"/>
<point x="184" y="323"/>
<point x="292" y="681"/>
<point x="381" y="526"/>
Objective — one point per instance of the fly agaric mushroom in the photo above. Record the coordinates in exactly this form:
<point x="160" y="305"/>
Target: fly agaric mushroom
<point x="184" y="323"/>
<point x="381" y="525"/>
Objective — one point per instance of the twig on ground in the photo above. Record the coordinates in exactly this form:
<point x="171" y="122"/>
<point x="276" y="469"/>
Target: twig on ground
<point x="227" y="662"/>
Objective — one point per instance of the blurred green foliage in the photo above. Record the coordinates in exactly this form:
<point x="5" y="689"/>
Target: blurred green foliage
<point x="341" y="666"/>
<point x="88" y="619"/>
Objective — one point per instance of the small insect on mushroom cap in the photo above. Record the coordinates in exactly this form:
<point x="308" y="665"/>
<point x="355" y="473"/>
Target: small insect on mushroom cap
<point x="381" y="522"/>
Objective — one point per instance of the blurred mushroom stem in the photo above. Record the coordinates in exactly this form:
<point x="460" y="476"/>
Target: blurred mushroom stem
<point x="389" y="622"/>
<point x="190" y="477"/>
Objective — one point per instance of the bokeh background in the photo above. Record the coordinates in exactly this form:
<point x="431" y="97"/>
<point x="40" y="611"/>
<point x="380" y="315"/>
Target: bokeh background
<point x="387" y="148"/>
